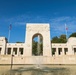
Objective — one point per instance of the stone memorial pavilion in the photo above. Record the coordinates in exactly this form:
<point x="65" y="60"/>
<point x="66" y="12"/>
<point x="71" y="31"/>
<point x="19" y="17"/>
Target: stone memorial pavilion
<point x="64" y="53"/>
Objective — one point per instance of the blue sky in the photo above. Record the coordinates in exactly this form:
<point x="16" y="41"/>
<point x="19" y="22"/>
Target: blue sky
<point x="20" y="12"/>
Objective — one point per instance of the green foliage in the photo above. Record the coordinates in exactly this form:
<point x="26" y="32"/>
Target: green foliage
<point x="61" y="39"/>
<point x="55" y="39"/>
<point x="73" y="35"/>
<point x="19" y="42"/>
<point x="41" y="46"/>
<point x="35" y="50"/>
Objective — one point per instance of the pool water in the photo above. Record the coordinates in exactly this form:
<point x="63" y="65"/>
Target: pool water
<point x="46" y="70"/>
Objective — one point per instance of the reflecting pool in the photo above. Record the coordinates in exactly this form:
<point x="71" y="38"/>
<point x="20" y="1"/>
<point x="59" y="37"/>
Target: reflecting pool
<point x="45" y="70"/>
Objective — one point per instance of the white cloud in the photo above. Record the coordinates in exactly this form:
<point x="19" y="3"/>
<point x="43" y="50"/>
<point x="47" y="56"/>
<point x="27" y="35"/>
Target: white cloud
<point x="60" y="22"/>
<point x="57" y="23"/>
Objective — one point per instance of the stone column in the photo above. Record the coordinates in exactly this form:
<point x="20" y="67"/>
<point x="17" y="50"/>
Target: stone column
<point x="11" y="50"/>
<point x="18" y="51"/>
<point x="56" y="52"/>
<point x="6" y="51"/>
<point x="62" y="50"/>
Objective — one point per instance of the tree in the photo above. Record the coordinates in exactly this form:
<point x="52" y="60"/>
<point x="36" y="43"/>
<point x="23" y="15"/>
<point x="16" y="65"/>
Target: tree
<point x="73" y="35"/>
<point x="19" y="42"/>
<point x="62" y="39"/>
<point x="34" y="48"/>
<point x="55" y="39"/>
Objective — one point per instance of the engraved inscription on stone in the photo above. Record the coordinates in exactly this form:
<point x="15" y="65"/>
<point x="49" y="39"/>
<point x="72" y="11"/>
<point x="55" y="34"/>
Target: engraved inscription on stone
<point x="37" y="28"/>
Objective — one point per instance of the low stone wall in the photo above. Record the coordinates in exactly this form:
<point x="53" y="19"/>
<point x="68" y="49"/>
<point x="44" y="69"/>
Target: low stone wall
<point x="5" y="59"/>
<point x="66" y="59"/>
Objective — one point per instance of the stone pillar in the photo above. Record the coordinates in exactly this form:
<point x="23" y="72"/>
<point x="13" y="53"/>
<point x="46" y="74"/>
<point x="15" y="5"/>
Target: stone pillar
<point x="56" y="52"/>
<point x="47" y="51"/>
<point x="11" y="50"/>
<point x="6" y="50"/>
<point x="70" y="50"/>
<point x="18" y="53"/>
<point x="62" y="50"/>
<point x="3" y="43"/>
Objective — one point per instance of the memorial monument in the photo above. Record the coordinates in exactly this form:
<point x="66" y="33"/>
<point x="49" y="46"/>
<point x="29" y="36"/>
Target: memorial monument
<point x="22" y="53"/>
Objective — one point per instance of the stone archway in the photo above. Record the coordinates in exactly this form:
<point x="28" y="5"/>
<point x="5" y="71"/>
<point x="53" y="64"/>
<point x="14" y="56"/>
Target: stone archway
<point x="33" y="30"/>
<point x="37" y="45"/>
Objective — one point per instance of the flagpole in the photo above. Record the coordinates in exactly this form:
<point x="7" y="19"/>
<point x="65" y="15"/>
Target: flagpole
<point x="9" y="35"/>
<point x="66" y="31"/>
<point x="9" y="32"/>
<point x="8" y="40"/>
